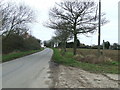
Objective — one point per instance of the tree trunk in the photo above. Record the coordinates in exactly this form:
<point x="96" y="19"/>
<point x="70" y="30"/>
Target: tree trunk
<point x="65" y="46"/>
<point x="75" y="44"/>
<point x="75" y="38"/>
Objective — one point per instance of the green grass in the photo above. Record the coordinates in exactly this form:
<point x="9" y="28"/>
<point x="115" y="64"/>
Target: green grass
<point x="68" y="60"/>
<point x="12" y="56"/>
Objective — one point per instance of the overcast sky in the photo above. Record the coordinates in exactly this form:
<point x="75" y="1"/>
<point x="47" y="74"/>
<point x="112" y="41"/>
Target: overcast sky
<point x="109" y="32"/>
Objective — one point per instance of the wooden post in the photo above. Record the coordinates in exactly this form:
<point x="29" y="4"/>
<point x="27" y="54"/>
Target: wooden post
<point x="103" y="45"/>
<point x="99" y="28"/>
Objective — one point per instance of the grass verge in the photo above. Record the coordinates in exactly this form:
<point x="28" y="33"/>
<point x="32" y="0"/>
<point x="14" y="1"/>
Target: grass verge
<point x="12" y="56"/>
<point x="68" y="60"/>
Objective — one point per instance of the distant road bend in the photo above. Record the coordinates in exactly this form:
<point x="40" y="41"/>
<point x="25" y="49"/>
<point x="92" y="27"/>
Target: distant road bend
<point x="28" y="72"/>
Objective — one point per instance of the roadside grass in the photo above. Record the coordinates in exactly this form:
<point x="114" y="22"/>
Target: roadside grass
<point x="11" y="56"/>
<point x="68" y="60"/>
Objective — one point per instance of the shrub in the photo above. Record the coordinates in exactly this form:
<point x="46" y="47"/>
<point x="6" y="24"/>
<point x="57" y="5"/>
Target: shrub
<point x="16" y="43"/>
<point x="31" y="43"/>
<point x="13" y="43"/>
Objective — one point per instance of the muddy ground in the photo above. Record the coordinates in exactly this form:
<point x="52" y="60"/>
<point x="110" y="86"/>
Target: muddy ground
<point x="71" y="77"/>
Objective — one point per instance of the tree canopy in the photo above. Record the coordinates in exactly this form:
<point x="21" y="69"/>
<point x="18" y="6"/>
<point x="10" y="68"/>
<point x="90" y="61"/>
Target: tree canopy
<point x="76" y="16"/>
<point x="15" y="18"/>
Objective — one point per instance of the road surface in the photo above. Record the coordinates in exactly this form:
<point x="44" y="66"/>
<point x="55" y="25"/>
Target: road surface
<point x="28" y="72"/>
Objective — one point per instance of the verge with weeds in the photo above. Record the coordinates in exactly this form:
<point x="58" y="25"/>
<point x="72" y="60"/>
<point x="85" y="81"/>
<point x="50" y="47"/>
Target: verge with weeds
<point x="12" y="56"/>
<point x="69" y="60"/>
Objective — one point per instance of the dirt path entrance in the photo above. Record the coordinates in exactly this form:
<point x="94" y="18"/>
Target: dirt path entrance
<point x="70" y="77"/>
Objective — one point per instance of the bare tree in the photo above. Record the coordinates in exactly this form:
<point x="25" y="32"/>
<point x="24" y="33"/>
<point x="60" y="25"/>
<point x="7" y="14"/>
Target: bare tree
<point x="62" y="33"/>
<point x="76" y="17"/>
<point x="63" y="36"/>
<point x="55" y="40"/>
<point x="15" y="18"/>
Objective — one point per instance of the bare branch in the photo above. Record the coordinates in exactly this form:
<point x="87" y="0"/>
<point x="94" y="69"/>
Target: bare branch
<point x="15" y="17"/>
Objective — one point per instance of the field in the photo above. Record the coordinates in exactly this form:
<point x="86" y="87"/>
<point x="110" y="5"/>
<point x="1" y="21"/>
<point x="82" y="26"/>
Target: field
<point x="113" y="54"/>
<point x="85" y="57"/>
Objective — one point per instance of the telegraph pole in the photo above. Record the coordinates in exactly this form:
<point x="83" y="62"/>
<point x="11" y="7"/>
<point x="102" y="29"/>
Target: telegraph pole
<point x="99" y="28"/>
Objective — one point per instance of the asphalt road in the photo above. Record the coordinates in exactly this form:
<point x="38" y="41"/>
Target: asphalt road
<point x="28" y="72"/>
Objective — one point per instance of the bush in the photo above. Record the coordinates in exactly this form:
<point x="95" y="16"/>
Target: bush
<point x="15" y="43"/>
<point x="31" y="43"/>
